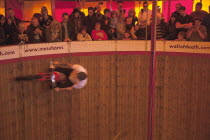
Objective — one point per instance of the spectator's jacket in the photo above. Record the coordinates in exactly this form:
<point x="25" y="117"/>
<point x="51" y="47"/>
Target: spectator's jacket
<point x="32" y="37"/>
<point x="44" y="23"/>
<point x="96" y="35"/>
<point x="76" y="25"/>
<point x="90" y="22"/>
<point x="69" y="32"/>
<point x="15" y="37"/>
<point x="105" y="27"/>
<point x="2" y="36"/>
<point x="10" y="29"/>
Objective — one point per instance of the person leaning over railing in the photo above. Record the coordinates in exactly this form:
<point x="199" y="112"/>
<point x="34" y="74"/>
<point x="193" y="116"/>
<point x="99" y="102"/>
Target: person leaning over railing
<point x="197" y="32"/>
<point x="35" y="32"/>
<point x="20" y="37"/>
<point x="98" y="34"/>
<point x="54" y="32"/>
<point x="83" y="35"/>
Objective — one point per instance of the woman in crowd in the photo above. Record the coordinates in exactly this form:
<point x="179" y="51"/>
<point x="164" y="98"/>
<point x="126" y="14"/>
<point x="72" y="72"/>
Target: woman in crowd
<point x="132" y="15"/>
<point x="171" y="29"/>
<point x="76" y="23"/>
<point x="54" y="32"/>
<point x="83" y="35"/>
<point x="45" y="19"/>
<point x="98" y="34"/>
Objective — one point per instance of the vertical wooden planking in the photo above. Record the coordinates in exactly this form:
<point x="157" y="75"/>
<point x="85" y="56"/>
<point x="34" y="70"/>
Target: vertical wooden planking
<point x="181" y="98"/>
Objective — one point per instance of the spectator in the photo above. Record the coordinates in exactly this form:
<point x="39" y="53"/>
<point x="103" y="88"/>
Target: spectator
<point x="11" y="25"/>
<point x="90" y="20"/>
<point x="161" y="29"/>
<point x="184" y="21"/>
<point x="120" y="30"/>
<point x="38" y="15"/>
<point x="127" y="36"/>
<point x="181" y="36"/>
<point x="198" y="13"/>
<point x="98" y="13"/>
<point x="177" y="13"/>
<point x="20" y="37"/>
<point x="3" y="23"/>
<point x="44" y="11"/>
<point x="206" y="23"/>
<point x="46" y="21"/>
<point x="132" y="15"/>
<point x="171" y="29"/>
<point x="144" y="32"/>
<point x="128" y="24"/>
<point x="98" y="34"/>
<point x="197" y="32"/>
<point x="2" y="36"/>
<point x="35" y="32"/>
<point x="113" y="25"/>
<point x="76" y="23"/>
<point x="54" y="32"/>
<point x="145" y="14"/>
<point x="78" y="6"/>
<point x="83" y="35"/>
<point x="119" y="7"/>
<point x="66" y="32"/>
<point x="134" y="30"/>
<point x="105" y="22"/>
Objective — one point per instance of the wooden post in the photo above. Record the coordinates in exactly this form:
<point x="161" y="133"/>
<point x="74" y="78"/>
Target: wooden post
<point x="152" y="72"/>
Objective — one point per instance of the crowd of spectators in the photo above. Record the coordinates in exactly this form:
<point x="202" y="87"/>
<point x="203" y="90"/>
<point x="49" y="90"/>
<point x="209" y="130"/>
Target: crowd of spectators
<point x="112" y="25"/>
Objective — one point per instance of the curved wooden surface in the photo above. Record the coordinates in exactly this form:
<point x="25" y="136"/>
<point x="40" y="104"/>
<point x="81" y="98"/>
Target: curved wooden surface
<point x="114" y="104"/>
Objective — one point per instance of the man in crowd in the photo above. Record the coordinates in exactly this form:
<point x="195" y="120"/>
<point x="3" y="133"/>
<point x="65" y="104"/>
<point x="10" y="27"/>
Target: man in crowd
<point x="177" y="13"/>
<point x="184" y="21"/>
<point x="97" y="10"/>
<point x="90" y="20"/>
<point x="197" y="32"/>
<point x="119" y="7"/>
<point x="105" y="22"/>
<point x="11" y="25"/>
<point x="35" y="32"/>
<point x="206" y="23"/>
<point x="198" y="13"/>
<point x="66" y="34"/>
<point x="145" y="14"/>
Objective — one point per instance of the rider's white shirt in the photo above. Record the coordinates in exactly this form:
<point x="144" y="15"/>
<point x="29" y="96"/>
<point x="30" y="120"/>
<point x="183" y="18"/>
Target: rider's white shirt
<point x="82" y="83"/>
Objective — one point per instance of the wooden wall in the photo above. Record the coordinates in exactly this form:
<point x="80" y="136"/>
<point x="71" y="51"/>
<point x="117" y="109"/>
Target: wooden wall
<point x="114" y="103"/>
<point x="100" y="111"/>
